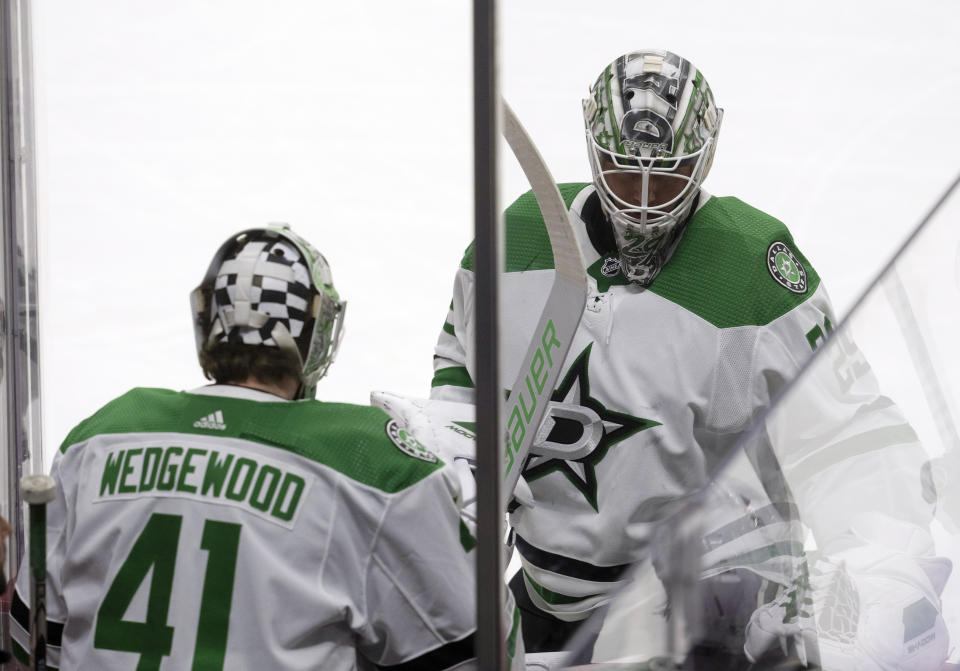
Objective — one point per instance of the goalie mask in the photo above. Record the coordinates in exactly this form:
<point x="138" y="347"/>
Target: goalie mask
<point x="651" y="127"/>
<point x="268" y="286"/>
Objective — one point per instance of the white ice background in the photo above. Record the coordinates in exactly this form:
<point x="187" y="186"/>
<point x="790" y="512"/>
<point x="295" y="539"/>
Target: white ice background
<point x="164" y="127"/>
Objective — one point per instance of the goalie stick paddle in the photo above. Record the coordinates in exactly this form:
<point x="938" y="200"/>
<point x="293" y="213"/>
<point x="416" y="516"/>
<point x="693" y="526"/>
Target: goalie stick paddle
<point x="530" y="393"/>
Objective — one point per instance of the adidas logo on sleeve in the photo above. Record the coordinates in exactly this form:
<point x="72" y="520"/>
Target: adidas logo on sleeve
<point x="212" y="421"/>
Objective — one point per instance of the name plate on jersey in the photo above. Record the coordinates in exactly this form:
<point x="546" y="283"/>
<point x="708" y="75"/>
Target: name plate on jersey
<point x="271" y="490"/>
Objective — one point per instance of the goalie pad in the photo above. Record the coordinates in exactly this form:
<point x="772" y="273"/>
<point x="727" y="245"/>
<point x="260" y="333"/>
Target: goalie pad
<point x="872" y="607"/>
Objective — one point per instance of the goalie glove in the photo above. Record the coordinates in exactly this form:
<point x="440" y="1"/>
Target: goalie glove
<point x="447" y="429"/>
<point x="783" y="627"/>
<point x="444" y="427"/>
<point x="872" y="607"/>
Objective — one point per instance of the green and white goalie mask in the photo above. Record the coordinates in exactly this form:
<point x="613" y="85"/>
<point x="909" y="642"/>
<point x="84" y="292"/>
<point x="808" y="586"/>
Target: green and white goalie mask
<point x="268" y="286"/>
<point x="651" y="127"/>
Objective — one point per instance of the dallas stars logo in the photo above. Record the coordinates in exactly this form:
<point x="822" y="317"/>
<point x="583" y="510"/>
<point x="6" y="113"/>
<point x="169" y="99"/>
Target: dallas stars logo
<point x="785" y="268"/>
<point x="617" y="427"/>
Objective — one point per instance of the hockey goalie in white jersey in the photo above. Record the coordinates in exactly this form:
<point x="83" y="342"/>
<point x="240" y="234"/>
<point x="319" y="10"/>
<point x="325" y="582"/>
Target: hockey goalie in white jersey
<point x="244" y="525"/>
<point x="700" y="309"/>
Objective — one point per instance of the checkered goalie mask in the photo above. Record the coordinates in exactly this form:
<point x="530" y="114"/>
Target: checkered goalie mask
<point x="269" y="287"/>
<point x="651" y="125"/>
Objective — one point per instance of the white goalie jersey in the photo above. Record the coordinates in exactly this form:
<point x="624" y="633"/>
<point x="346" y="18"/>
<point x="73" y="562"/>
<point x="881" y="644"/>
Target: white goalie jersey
<point x="228" y="529"/>
<point x="659" y="384"/>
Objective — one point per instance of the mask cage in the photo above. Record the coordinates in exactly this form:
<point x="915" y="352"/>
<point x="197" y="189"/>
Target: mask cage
<point x="643" y="218"/>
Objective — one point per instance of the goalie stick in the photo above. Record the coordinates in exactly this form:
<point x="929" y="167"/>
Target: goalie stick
<point x="530" y="393"/>
<point x="38" y="490"/>
<point x="538" y="374"/>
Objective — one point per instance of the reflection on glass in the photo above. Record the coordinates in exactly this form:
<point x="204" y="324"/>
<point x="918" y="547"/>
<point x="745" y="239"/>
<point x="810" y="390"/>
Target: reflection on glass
<point x="828" y="538"/>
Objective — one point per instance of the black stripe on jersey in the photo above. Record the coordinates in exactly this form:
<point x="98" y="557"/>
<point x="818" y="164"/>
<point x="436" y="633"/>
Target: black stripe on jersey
<point x="443" y="657"/>
<point x="573" y="568"/>
<point x="21" y="613"/>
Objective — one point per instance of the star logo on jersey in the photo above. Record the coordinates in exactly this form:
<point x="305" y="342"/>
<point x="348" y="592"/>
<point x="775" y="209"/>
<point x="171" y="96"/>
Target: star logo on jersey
<point x="616" y="427"/>
<point x="785" y="268"/>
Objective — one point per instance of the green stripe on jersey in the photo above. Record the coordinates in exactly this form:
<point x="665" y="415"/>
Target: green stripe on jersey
<point x="454" y="376"/>
<point x="467" y="539"/>
<point x="351" y="439"/>
<point x="21" y="655"/>
<point x="514" y="630"/>
<point x="528" y="244"/>
<point x="719" y="269"/>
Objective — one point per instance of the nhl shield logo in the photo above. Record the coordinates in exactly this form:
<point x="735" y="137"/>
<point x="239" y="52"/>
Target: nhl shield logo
<point x="610" y="267"/>
<point x="785" y="268"/>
